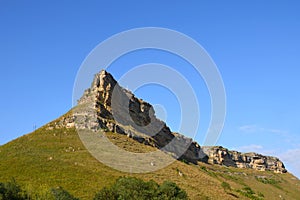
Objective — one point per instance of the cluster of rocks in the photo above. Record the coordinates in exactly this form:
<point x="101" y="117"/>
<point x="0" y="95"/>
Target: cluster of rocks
<point x="109" y="107"/>
<point x="222" y="156"/>
<point x="64" y="122"/>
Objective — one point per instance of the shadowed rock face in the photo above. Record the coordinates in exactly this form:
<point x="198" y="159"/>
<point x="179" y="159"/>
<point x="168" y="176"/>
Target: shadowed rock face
<point x="108" y="106"/>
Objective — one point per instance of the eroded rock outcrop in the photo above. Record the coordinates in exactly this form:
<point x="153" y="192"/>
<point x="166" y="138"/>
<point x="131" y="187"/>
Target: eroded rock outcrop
<point x="109" y="107"/>
<point x="222" y="156"/>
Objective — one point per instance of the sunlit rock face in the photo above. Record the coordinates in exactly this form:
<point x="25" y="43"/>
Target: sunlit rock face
<point x="106" y="106"/>
<point x="222" y="156"/>
<point x="109" y="107"/>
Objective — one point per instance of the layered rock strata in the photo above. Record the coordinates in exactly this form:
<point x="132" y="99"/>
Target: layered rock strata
<point x="222" y="156"/>
<point x="109" y="107"/>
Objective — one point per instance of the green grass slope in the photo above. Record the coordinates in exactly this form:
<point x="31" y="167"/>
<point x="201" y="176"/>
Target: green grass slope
<point x="48" y="158"/>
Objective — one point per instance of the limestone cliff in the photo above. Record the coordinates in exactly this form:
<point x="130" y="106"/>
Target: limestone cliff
<point x="222" y="156"/>
<point x="109" y="107"/>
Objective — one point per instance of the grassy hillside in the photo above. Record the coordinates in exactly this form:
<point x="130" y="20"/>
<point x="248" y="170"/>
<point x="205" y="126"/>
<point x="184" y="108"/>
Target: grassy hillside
<point x="48" y="158"/>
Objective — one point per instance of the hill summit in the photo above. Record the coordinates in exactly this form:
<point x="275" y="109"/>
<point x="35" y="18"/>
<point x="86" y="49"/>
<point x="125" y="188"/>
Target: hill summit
<point x="109" y="107"/>
<point x="55" y="156"/>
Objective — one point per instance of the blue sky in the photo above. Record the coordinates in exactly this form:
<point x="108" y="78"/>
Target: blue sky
<point x="256" y="46"/>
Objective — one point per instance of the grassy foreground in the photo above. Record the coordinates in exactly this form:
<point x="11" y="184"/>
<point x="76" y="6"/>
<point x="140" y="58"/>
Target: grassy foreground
<point x="48" y="158"/>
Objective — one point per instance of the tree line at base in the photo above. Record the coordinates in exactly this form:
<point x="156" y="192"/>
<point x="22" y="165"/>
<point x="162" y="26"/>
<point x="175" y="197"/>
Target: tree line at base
<point x="125" y="188"/>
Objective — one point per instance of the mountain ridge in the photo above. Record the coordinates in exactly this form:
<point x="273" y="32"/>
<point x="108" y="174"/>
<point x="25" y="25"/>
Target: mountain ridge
<point x="111" y="115"/>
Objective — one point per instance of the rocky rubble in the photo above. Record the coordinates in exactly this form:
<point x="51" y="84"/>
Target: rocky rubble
<point x="109" y="107"/>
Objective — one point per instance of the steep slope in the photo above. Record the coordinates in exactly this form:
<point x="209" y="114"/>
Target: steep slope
<point x="54" y="156"/>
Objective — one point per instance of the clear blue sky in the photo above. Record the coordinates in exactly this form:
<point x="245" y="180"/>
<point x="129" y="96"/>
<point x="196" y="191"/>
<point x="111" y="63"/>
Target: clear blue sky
<point x="255" y="44"/>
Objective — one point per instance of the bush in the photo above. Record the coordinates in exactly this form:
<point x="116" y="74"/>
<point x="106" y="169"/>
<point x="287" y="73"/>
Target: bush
<point x="270" y="181"/>
<point x="106" y="193"/>
<point x="169" y="190"/>
<point x="248" y="192"/>
<point x="61" y="194"/>
<point x="11" y="191"/>
<point x="225" y="186"/>
<point x="129" y="188"/>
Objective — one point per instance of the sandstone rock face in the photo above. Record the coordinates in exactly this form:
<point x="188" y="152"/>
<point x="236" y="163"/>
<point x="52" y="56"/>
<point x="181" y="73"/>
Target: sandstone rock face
<point x="109" y="107"/>
<point x="222" y="156"/>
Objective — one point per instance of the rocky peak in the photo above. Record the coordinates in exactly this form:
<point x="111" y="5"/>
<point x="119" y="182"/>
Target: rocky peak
<point x="111" y="101"/>
<point x="109" y="107"/>
<point x="103" y="86"/>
